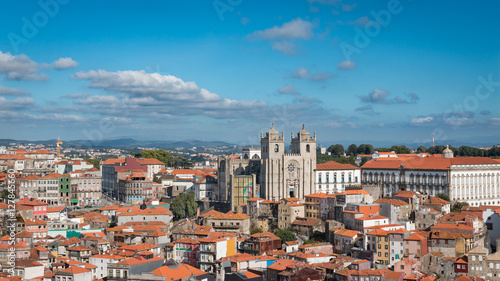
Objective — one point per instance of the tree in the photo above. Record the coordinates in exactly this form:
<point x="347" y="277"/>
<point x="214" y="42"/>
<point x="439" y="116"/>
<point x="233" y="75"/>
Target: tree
<point x="184" y="206"/>
<point x="5" y="195"/>
<point x="421" y="149"/>
<point x="352" y="150"/>
<point x="95" y="162"/>
<point x="191" y="205"/>
<point x="443" y="196"/>
<point x="457" y="207"/>
<point x="336" y="149"/>
<point x="400" y="149"/>
<point x="178" y="207"/>
<point x="162" y="155"/>
<point x="383" y="149"/>
<point x="362" y="148"/>
<point x="256" y="230"/>
<point x="285" y="235"/>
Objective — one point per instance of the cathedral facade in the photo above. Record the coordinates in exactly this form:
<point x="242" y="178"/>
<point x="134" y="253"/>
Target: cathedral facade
<point x="287" y="174"/>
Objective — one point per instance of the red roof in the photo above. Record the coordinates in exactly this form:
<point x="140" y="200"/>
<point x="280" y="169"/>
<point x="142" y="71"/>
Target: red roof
<point x="332" y="165"/>
<point x="427" y="163"/>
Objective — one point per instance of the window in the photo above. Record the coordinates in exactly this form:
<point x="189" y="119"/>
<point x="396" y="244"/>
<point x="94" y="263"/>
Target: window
<point x="110" y="273"/>
<point x="308" y="148"/>
<point x="276" y="148"/>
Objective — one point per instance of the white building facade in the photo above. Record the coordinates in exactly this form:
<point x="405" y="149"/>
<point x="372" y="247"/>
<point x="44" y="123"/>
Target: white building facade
<point x="333" y="177"/>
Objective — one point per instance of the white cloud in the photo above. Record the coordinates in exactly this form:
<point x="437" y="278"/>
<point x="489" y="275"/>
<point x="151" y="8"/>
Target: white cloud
<point x="17" y="103"/>
<point x="288" y="90"/>
<point x="286" y="47"/>
<point x="139" y="91"/>
<point x="304" y="73"/>
<point x="346" y="65"/>
<point x="19" y="67"/>
<point x="362" y="21"/>
<point x="380" y="96"/>
<point x="294" y="29"/>
<point x="65" y="63"/>
<point x="421" y="120"/>
<point x="284" y="38"/>
<point x="4" y="91"/>
<point x="348" y="8"/>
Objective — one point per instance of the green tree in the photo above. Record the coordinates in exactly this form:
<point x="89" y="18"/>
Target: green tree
<point x="95" y="162"/>
<point x="383" y="149"/>
<point x="184" y="205"/>
<point x="285" y="235"/>
<point x="5" y="194"/>
<point x="178" y="207"/>
<point x="400" y="149"/>
<point x="256" y="230"/>
<point x="352" y="150"/>
<point x="457" y="207"/>
<point x="421" y="149"/>
<point x="443" y="196"/>
<point x="191" y="205"/>
<point x="162" y="155"/>
<point x="336" y="149"/>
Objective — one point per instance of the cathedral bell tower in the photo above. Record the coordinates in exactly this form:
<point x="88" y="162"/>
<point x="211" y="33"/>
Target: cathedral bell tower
<point x="272" y="151"/>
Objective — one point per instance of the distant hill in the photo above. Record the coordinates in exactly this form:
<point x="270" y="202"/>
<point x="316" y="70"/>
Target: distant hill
<point x="123" y="143"/>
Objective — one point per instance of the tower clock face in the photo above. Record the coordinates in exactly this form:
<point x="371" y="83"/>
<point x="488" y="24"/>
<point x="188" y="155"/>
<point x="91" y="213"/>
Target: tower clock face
<point x="291" y="167"/>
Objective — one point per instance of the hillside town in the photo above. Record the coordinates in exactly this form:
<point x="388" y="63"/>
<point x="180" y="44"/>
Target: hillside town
<point x="268" y="213"/>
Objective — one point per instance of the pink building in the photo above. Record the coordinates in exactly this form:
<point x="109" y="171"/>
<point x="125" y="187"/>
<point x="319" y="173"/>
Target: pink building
<point x="415" y="246"/>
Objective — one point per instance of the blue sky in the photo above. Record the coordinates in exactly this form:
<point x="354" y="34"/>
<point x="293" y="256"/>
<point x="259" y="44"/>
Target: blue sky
<point x="362" y="71"/>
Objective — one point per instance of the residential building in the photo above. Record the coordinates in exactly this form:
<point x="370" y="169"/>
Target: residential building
<point x="288" y="211"/>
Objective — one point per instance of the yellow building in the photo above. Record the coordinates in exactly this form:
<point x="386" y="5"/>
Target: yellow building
<point x="378" y="242"/>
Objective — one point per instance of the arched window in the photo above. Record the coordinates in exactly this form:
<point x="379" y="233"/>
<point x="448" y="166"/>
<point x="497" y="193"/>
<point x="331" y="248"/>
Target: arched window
<point x="327" y="177"/>
<point x="308" y="148"/>
<point x="350" y="178"/>
<point x="276" y="148"/>
<point x="335" y="178"/>
<point x="319" y="178"/>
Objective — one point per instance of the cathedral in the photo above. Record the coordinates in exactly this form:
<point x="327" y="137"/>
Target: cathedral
<point x="287" y="174"/>
<point x="272" y="174"/>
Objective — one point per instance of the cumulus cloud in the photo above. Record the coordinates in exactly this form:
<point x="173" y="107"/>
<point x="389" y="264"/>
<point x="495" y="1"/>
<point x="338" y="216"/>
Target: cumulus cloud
<point x="380" y="96"/>
<point x="377" y="96"/>
<point x="288" y="90"/>
<point x="17" y="103"/>
<point x="346" y="65"/>
<point x="304" y="73"/>
<point x="286" y="47"/>
<point x="65" y="63"/>
<point x="294" y="29"/>
<point x="284" y="38"/>
<point x="362" y="21"/>
<point x="20" y="67"/>
<point x="367" y="110"/>
<point x="138" y="91"/>
<point x="421" y="120"/>
<point x="348" y="8"/>
<point x="4" y="91"/>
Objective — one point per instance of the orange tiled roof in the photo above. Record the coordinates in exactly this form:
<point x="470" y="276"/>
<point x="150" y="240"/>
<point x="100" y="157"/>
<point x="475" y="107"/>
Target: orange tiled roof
<point x="394" y="202"/>
<point x="332" y="165"/>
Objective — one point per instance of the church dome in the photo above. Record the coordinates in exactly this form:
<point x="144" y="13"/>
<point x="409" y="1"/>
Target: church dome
<point x="447" y="152"/>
